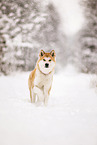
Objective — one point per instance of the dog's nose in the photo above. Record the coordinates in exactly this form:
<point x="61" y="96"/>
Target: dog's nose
<point x="46" y="65"/>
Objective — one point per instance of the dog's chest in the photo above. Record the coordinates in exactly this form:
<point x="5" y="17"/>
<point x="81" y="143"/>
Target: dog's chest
<point x="41" y="79"/>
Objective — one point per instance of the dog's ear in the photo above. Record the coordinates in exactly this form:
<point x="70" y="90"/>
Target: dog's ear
<point x="41" y="53"/>
<point x="53" y="54"/>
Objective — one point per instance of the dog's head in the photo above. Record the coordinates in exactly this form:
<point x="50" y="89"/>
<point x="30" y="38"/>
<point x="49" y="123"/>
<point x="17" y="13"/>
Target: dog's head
<point x="46" y="62"/>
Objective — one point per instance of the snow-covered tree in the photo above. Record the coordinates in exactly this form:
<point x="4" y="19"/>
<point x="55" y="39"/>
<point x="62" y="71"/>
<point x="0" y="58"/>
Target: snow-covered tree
<point x="88" y="38"/>
<point x="28" y="26"/>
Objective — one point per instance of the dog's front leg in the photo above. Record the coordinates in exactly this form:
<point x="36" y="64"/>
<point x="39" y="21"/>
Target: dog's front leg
<point x="39" y="94"/>
<point x="46" y="95"/>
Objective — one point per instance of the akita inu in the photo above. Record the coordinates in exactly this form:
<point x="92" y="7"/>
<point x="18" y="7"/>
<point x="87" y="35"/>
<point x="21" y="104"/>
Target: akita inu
<point x="40" y="79"/>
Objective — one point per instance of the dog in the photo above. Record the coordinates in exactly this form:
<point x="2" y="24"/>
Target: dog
<point x="40" y="79"/>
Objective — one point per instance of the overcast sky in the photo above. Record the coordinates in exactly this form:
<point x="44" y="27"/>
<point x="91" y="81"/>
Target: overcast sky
<point x="71" y="15"/>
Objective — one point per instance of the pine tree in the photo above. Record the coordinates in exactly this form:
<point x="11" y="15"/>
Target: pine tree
<point x="88" y="38"/>
<point x="26" y="27"/>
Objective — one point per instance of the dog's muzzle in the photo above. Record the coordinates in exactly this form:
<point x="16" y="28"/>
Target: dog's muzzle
<point x="46" y="65"/>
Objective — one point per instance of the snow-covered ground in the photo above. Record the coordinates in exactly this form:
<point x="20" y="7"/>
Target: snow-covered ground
<point x="69" y="119"/>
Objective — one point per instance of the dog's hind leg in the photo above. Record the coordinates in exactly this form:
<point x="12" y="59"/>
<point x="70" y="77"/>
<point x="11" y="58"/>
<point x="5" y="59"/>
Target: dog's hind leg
<point x="30" y="94"/>
<point x="34" y="97"/>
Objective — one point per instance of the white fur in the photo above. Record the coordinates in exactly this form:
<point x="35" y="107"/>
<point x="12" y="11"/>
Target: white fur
<point x="42" y="84"/>
<point x="47" y="58"/>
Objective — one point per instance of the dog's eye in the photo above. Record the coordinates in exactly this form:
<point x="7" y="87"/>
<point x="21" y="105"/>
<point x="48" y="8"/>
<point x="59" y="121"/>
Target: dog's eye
<point x="44" y="60"/>
<point x="50" y="60"/>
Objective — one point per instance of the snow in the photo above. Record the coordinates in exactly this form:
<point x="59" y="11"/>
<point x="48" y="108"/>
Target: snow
<point x="71" y="14"/>
<point x="69" y="119"/>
